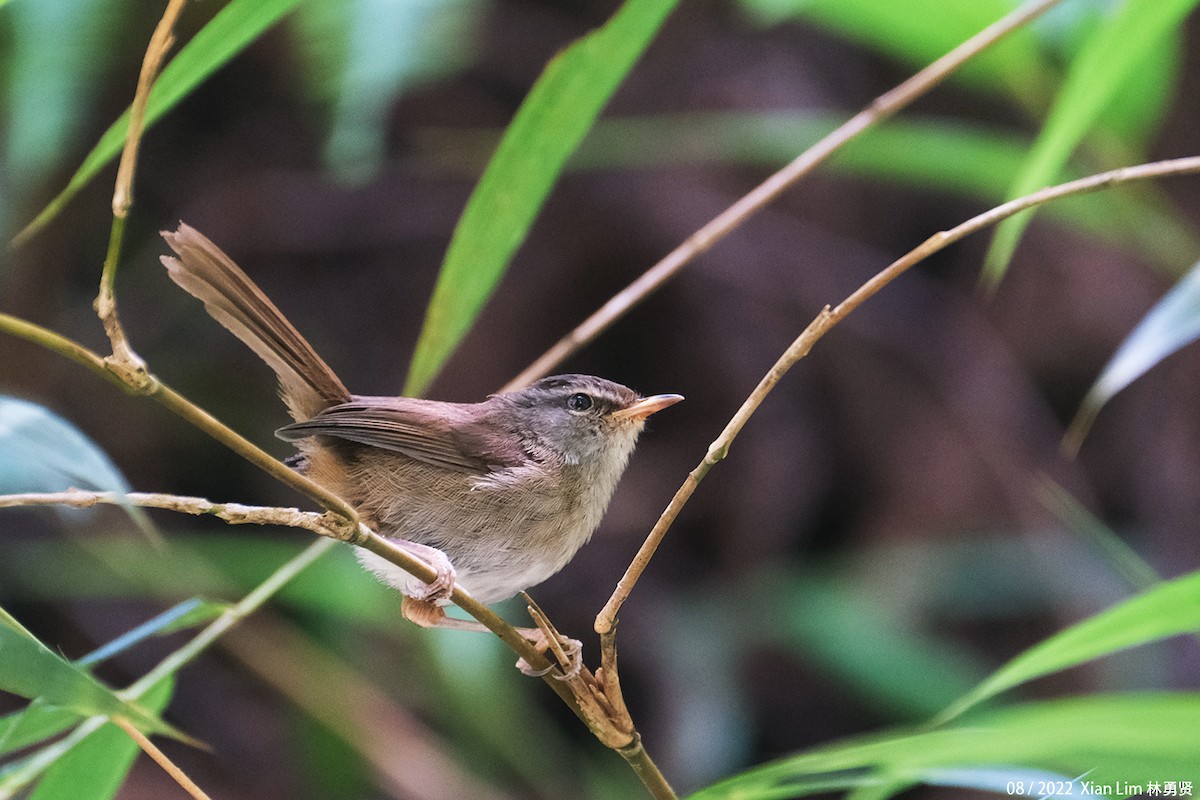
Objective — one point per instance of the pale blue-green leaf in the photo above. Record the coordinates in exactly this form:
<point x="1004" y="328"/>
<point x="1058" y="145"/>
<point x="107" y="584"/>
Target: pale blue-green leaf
<point x="1166" y="609"/>
<point x="1171" y="324"/>
<point x="30" y="669"/>
<point x="95" y="768"/>
<point x="42" y="452"/>
<point x="1103" y="69"/>
<point x="181" y="616"/>
<point x="232" y="28"/>
<point x="557" y="113"/>
<point x="363" y="54"/>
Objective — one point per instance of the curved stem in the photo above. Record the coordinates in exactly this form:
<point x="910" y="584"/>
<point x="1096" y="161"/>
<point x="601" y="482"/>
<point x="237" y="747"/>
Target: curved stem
<point x="730" y="219"/>
<point x="828" y="318"/>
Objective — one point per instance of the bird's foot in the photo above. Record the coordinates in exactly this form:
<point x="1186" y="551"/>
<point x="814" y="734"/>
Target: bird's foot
<point x="567" y="654"/>
<point x="442" y="586"/>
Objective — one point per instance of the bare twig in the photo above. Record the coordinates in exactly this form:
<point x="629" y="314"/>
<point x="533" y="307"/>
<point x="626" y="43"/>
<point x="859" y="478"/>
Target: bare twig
<point x="160" y="42"/>
<point x="606" y="620"/>
<point x="161" y="759"/>
<point x="233" y="513"/>
<point x="123" y="359"/>
<point x="880" y="108"/>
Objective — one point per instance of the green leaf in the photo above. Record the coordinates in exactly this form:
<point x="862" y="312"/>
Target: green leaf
<point x="18" y="775"/>
<point x="918" y="32"/>
<point x="40" y="721"/>
<point x="35" y="722"/>
<point x="939" y="154"/>
<point x="1105" y="64"/>
<point x="30" y="669"/>
<point x="42" y="452"/>
<point x="226" y="34"/>
<point x="560" y="108"/>
<point x="1140" y="105"/>
<point x="1168" y="609"/>
<point x="1173" y="323"/>
<point x="95" y="768"/>
<point x="1119" y="741"/>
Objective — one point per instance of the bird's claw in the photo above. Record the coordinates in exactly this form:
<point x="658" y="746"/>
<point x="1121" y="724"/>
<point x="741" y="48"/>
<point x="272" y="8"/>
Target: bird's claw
<point x="569" y="649"/>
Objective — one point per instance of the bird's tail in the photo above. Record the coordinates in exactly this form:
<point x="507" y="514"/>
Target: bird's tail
<point x="306" y="382"/>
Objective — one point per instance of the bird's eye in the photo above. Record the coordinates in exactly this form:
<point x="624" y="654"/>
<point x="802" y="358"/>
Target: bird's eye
<point x="579" y="402"/>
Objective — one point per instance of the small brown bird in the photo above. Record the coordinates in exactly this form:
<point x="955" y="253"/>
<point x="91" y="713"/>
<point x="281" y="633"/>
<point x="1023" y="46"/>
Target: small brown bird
<point x="508" y="489"/>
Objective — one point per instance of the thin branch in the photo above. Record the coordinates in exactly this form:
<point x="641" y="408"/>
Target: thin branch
<point x="881" y="108"/>
<point x="828" y="318"/>
<point x="233" y="513"/>
<point x="124" y="360"/>
<point x="161" y="759"/>
<point x="160" y="42"/>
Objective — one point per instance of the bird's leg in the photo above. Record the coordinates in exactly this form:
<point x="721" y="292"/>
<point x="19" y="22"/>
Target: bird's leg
<point x="428" y="614"/>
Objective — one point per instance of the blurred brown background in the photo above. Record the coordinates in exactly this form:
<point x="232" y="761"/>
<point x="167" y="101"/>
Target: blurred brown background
<point x="891" y="478"/>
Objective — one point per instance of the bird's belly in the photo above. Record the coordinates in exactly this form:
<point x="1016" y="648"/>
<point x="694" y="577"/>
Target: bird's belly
<point x="502" y="534"/>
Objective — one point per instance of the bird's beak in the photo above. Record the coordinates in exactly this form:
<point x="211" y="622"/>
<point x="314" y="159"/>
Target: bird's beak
<point x="646" y="406"/>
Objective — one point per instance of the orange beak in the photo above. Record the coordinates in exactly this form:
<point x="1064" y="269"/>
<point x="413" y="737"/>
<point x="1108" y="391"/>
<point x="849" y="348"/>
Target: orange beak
<point x="646" y="406"/>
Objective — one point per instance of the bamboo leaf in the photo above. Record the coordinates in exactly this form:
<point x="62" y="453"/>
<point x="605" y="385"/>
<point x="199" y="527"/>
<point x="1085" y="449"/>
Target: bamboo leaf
<point x="1122" y="742"/>
<point x="1116" y="50"/>
<point x="95" y="768"/>
<point x="559" y="110"/>
<point x="30" y="669"/>
<point x="1168" y="609"/>
<point x="902" y="30"/>
<point x="226" y="34"/>
<point x="943" y="155"/>
<point x="40" y="721"/>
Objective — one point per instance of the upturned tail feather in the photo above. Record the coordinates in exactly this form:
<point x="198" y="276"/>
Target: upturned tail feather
<point x="306" y="382"/>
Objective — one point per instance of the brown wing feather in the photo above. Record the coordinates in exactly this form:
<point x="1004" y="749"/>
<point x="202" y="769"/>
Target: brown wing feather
<point x="232" y="299"/>
<point x="448" y="435"/>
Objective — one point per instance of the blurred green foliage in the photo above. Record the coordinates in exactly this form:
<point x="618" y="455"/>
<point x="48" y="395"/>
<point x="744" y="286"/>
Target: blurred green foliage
<point x="1102" y="82"/>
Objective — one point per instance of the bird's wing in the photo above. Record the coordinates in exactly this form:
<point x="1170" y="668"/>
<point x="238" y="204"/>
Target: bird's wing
<point x="445" y="435"/>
